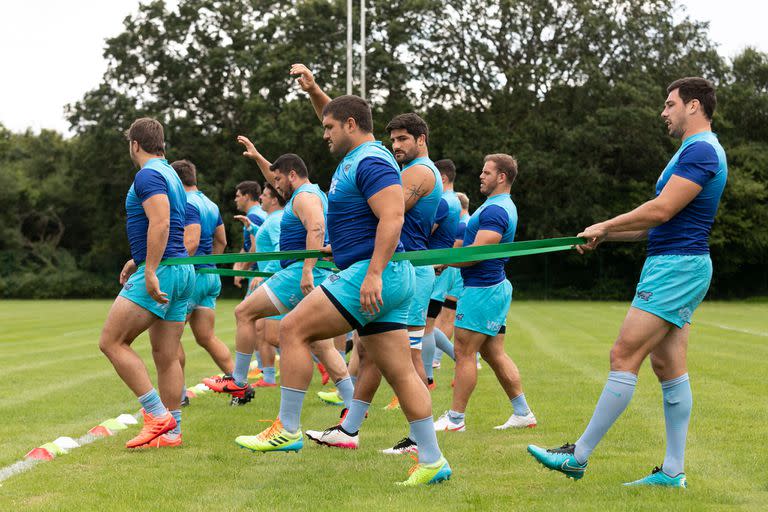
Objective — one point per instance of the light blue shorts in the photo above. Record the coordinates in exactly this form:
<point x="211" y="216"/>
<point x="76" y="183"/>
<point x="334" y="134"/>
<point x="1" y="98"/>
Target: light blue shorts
<point x="672" y="286"/>
<point x="207" y="290"/>
<point x="484" y="309"/>
<point x="443" y="283"/>
<point x="343" y="290"/>
<point x="284" y="287"/>
<point x="176" y="281"/>
<point x="457" y="286"/>
<point x="422" y="289"/>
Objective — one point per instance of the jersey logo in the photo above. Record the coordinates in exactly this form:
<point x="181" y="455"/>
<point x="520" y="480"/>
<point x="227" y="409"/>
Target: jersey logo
<point x="346" y="167"/>
<point x="644" y="295"/>
<point x="333" y="278"/>
<point x="332" y="190"/>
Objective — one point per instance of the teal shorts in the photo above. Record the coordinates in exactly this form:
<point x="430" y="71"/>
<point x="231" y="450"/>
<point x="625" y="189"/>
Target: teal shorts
<point x="422" y="289"/>
<point x="284" y="287"/>
<point x="176" y="281"/>
<point x="457" y="286"/>
<point x="484" y="309"/>
<point x="672" y="286"/>
<point x="207" y="290"/>
<point x="443" y="283"/>
<point x="343" y="290"/>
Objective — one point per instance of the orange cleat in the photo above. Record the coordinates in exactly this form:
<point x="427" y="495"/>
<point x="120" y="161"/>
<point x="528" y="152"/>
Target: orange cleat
<point x="432" y="385"/>
<point x="262" y="384"/>
<point x="323" y="373"/>
<point x="166" y="440"/>
<point x="393" y="404"/>
<point x="256" y="373"/>
<point x="153" y="428"/>
<point x="225" y="384"/>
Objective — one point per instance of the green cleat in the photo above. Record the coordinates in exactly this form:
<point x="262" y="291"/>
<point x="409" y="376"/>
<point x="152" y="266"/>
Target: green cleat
<point x="659" y="478"/>
<point x="427" y="474"/>
<point x="273" y="439"/>
<point x="331" y="397"/>
<point x="559" y="459"/>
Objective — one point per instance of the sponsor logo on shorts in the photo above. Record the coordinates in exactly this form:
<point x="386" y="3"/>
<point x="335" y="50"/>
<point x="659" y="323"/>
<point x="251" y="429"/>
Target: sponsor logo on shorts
<point x="333" y="278"/>
<point x="493" y="326"/>
<point x="685" y="314"/>
<point x="460" y="316"/>
<point x="644" y="295"/>
<point x="127" y="286"/>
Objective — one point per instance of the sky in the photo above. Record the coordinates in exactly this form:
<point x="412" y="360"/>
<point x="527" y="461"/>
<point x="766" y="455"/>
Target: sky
<point x="51" y="52"/>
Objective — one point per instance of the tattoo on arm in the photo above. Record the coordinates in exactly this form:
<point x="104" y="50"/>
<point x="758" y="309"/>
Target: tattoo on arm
<point x="414" y="192"/>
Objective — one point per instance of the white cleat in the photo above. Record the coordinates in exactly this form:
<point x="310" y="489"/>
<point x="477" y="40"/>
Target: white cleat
<point x="444" y="424"/>
<point x="335" y="437"/>
<point x="403" y="446"/>
<point x="515" y="421"/>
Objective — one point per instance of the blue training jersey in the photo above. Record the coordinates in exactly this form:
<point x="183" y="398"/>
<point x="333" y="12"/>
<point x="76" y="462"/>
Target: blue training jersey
<point x="203" y="211"/>
<point x="156" y="177"/>
<point x="257" y="216"/>
<point x="293" y="235"/>
<point x="417" y="226"/>
<point x="352" y="225"/>
<point x="462" y="227"/>
<point x="498" y="213"/>
<point x="268" y="240"/>
<point x="700" y="159"/>
<point x="447" y="220"/>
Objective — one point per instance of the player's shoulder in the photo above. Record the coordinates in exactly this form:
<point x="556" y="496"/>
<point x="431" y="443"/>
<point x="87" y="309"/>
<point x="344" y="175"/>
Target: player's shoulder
<point x="704" y="150"/>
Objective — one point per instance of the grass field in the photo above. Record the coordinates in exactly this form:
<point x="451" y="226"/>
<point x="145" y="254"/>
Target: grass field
<point x="56" y="383"/>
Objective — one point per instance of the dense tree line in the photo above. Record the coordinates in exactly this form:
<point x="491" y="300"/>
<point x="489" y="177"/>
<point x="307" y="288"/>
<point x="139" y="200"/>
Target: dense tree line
<point x="572" y="88"/>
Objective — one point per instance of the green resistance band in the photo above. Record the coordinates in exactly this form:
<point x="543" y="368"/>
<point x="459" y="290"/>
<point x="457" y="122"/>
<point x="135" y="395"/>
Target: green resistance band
<point x="417" y="258"/>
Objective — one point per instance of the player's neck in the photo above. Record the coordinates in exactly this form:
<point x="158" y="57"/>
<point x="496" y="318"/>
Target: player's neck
<point x="695" y="128"/>
<point x="193" y="188"/>
<point x="142" y="158"/>
<point x="504" y="189"/>
<point x="359" y="141"/>
<point x="274" y="208"/>
<point x="250" y="204"/>
<point x="448" y="187"/>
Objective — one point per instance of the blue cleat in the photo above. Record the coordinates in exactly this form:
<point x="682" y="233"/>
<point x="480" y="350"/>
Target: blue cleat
<point x="659" y="478"/>
<point x="559" y="459"/>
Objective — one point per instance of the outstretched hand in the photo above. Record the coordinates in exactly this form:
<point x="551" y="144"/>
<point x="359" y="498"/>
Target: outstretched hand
<point x="250" y="149"/>
<point x="306" y="79"/>
<point x="595" y="235"/>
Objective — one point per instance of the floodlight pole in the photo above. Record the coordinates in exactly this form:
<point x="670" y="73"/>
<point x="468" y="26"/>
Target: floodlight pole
<point x="349" y="46"/>
<point x="362" y="49"/>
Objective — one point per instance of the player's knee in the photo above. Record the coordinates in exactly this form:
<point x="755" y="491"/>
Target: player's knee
<point x="242" y="313"/>
<point x="291" y="331"/>
<point x="621" y="352"/>
<point x="660" y="366"/>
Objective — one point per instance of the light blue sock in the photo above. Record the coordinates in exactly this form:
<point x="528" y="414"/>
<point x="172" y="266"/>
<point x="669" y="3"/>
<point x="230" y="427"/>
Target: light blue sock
<point x="438" y="352"/>
<point x="176" y="413"/>
<point x="183" y="393"/>
<point x="346" y="390"/>
<point x="291" y="401"/>
<point x="428" y="353"/>
<point x="519" y="405"/>
<point x="678" y="402"/>
<point x="315" y="359"/>
<point x="343" y="355"/>
<point x="355" y="416"/>
<point x="425" y="436"/>
<point x="268" y="372"/>
<point x="151" y="403"/>
<point x="242" y="362"/>
<point x="354" y="379"/>
<point x="257" y="355"/>
<point x="614" y="399"/>
<point x="455" y="417"/>
<point x="443" y="343"/>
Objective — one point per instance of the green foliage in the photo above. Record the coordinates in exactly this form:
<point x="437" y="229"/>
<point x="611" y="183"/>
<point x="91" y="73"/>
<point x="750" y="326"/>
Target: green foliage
<point x="573" y="89"/>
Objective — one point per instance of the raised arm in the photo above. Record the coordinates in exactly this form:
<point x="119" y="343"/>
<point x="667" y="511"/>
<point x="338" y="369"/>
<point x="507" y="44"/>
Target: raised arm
<point x="252" y="153"/>
<point x="309" y="209"/>
<point x="307" y="83"/>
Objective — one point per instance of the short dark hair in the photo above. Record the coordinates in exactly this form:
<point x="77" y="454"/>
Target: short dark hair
<point x="411" y="123"/>
<point x="696" y="88"/>
<point x="344" y="107"/>
<point x="447" y="168"/>
<point x="149" y="134"/>
<point x="290" y="162"/>
<point x="505" y="164"/>
<point x="274" y="193"/>
<point x="186" y="171"/>
<point x="249" y="188"/>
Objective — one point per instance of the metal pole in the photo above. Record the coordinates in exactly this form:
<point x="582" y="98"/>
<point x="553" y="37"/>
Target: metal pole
<point x="349" y="46"/>
<point x="362" y="49"/>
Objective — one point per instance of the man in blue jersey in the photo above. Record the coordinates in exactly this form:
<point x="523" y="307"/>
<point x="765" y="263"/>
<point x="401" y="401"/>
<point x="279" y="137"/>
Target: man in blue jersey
<point x="154" y="298"/>
<point x="204" y="234"/>
<point x="443" y="330"/>
<point x="674" y="281"/>
<point x="365" y="217"/>
<point x="481" y="316"/>
<point x="247" y="194"/>
<point x="302" y="227"/>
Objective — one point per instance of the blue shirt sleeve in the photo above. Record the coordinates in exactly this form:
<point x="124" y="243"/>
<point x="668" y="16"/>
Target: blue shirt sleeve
<point x="442" y="211"/>
<point x="460" y="231"/>
<point x="149" y="182"/>
<point x="192" y="215"/>
<point x="494" y="218"/>
<point x="698" y="162"/>
<point x="256" y="221"/>
<point x="375" y="174"/>
<point x="219" y="221"/>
